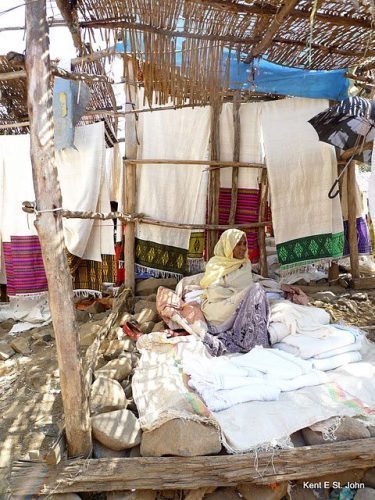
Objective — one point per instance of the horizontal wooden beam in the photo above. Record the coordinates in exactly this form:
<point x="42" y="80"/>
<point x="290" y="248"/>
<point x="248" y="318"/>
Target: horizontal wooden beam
<point x="348" y="153"/>
<point x="326" y="48"/>
<point x="13" y="75"/>
<point x="160" y="473"/>
<point x="68" y="75"/>
<point x="5" y="126"/>
<point x="211" y="163"/>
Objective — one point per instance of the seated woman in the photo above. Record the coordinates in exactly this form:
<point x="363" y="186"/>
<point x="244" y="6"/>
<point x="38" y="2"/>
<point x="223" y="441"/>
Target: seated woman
<point x="235" y="304"/>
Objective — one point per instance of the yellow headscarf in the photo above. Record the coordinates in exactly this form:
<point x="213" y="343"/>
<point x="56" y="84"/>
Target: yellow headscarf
<point x="223" y="261"/>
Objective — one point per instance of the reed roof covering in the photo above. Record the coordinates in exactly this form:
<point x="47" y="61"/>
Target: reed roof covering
<point x="315" y="34"/>
<point x="13" y="96"/>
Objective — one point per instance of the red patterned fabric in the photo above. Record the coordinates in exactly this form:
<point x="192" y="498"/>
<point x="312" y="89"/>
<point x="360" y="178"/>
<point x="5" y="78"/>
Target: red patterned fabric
<point x="24" y="265"/>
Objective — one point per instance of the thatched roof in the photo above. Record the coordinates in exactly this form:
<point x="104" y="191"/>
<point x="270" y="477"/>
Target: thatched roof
<point x="316" y="34"/>
<point x="13" y="97"/>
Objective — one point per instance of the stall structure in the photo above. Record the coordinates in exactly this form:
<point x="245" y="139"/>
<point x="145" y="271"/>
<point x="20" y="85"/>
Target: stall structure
<point x="315" y="35"/>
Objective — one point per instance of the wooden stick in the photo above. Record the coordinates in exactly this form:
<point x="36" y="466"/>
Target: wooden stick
<point x="28" y="207"/>
<point x="211" y="163"/>
<point x="286" y="8"/>
<point x="5" y="126"/>
<point x="69" y="13"/>
<point x="348" y="153"/>
<point x="68" y="75"/>
<point x="159" y="473"/>
<point x="236" y="155"/>
<point x="352" y="220"/>
<point x="262" y="229"/>
<point x="214" y="179"/>
<point x="130" y="181"/>
<point x="50" y="230"/>
<point x="13" y="75"/>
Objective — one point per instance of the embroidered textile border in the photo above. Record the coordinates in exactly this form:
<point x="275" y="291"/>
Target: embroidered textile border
<point x="163" y="257"/>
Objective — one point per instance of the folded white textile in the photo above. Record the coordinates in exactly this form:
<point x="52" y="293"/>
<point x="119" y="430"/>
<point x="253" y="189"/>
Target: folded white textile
<point x="277" y="332"/>
<point x="307" y="347"/>
<point x="218" y="400"/>
<point x="271" y="362"/>
<point x="300" y="319"/>
<point x="357" y="346"/>
<point x="315" y="377"/>
<point x="337" y="361"/>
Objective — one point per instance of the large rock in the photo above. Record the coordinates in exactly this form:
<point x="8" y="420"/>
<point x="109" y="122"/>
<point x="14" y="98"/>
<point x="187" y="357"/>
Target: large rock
<point x="159" y="327"/>
<point x="6" y="351"/>
<point x="147" y="327"/>
<point x="106" y="394"/>
<point x="349" y="429"/>
<point x="61" y="496"/>
<point x="223" y="494"/>
<point x="253" y="491"/>
<point x="117" y="430"/>
<point x="117" y="369"/>
<point x="20" y="345"/>
<point x="146" y="315"/>
<point x="114" y="349"/>
<point x="151" y="285"/>
<point x="369" y="478"/>
<point x="365" y="494"/>
<point x="87" y="333"/>
<point x="101" y="451"/>
<point x="179" y="437"/>
<point x="297" y="439"/>
<point x="144" y="304"/>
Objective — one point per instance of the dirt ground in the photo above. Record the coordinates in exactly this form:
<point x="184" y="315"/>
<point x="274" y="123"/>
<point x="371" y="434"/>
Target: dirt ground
<point x="30" y="398"/>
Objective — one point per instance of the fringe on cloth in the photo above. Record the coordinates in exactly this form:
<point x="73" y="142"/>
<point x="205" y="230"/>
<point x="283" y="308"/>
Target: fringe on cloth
<point x="195" y="266"/>
<point x="304" y="267"/>
<point x="84" y="293"/>
<point x="31" y="296"/>
<point x="157" y="273"/>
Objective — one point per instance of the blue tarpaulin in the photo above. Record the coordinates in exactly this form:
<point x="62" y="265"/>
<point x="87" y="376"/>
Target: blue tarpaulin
<point x="266" y="77"/>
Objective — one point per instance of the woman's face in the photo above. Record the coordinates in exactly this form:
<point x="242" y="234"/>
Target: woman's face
<point x="240" y="249"/>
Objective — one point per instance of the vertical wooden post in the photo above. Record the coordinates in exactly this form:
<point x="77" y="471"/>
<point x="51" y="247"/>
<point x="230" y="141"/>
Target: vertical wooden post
<point x="214" y="178"/>
<point x="50" y="230"/>
<point x="130" y="176"/>
<point x="262" y="229"/>
<point x="352" y="220"/>
<point x="236" y="154"/>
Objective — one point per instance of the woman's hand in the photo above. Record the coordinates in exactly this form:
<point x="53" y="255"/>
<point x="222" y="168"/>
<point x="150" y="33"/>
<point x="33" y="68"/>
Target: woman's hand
<point x="295" y="294"/>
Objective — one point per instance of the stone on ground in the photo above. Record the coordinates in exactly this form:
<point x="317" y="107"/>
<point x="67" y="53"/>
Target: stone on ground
<point x="297" y="439"/>
<point x="101" y="451"/>
<point x="223" y="494"/>
<point x="62" y="496"/>
<point x="117" y="369"/>
<point x="369" y="478"/>
<point x="151" y="285"/>
<point x="20" y="345"/>
<point x="147" y="327"/>
<point x="179" y="437"/>
<point x="144" y="304"/>
<point x="252" y="491"/>
<point x="96" y="308"/>
<point x="6" y="351"/>
<point x="159" y="327"/>
<point x="87" y="333"/>
<point x="114" y="349"/>
<point x="365" y="494"/>
<point x="350" y="428"/>
<point x="117" y="430"/>
<point x="106" y="394"/>
<point x="146" y="315"/>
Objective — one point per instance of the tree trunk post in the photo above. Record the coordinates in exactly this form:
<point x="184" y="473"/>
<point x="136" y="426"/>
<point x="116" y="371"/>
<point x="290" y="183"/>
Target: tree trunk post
<point x="50" y="230"/>
<point x="236" y="154"/>
<point x="214" y="179"/>
<point x="352" y="221"/>
<point x="130" y="175"/>
<point x="262" y="229"/>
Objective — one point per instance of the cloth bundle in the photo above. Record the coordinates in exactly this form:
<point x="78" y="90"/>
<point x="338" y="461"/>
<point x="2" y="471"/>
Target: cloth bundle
<point x="259" y="375"/>
<point x="304" y="331"/>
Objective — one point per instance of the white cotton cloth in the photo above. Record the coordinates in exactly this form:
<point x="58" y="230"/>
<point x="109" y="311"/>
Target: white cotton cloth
<point x="337" y="361"/>
<point x="291" y="319"/>
<point x="251" y="149"/>
<point x="82" y="179"/>
<point x="301" y="170"/>
<point x="175" y="193"/>
<point x="307" y="347"/>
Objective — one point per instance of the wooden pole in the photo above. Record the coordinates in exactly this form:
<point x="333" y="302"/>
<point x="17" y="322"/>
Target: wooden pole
<point x="50" y="230"/>
<point x="262" y="229"/>
<point x="236" y="154"/>
<point x="214" y="179"/>
<point x="130" y="179"/>
<point x="352" y="220"/>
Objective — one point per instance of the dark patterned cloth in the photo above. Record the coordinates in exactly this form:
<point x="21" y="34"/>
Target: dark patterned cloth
<point x="363" y="237"/>
<point x="90" y="274"/>
<point x="163" y="257"/>
<point x="245" y="329"/>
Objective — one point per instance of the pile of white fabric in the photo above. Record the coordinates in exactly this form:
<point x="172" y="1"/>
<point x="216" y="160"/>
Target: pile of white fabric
<point x="259" y="375"/>
<point x="304" y="331"/>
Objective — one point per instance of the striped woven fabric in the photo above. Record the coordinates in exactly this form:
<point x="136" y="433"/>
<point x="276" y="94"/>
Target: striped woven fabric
<point x="247" y="211"/>
<point x="24" y="265"/>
